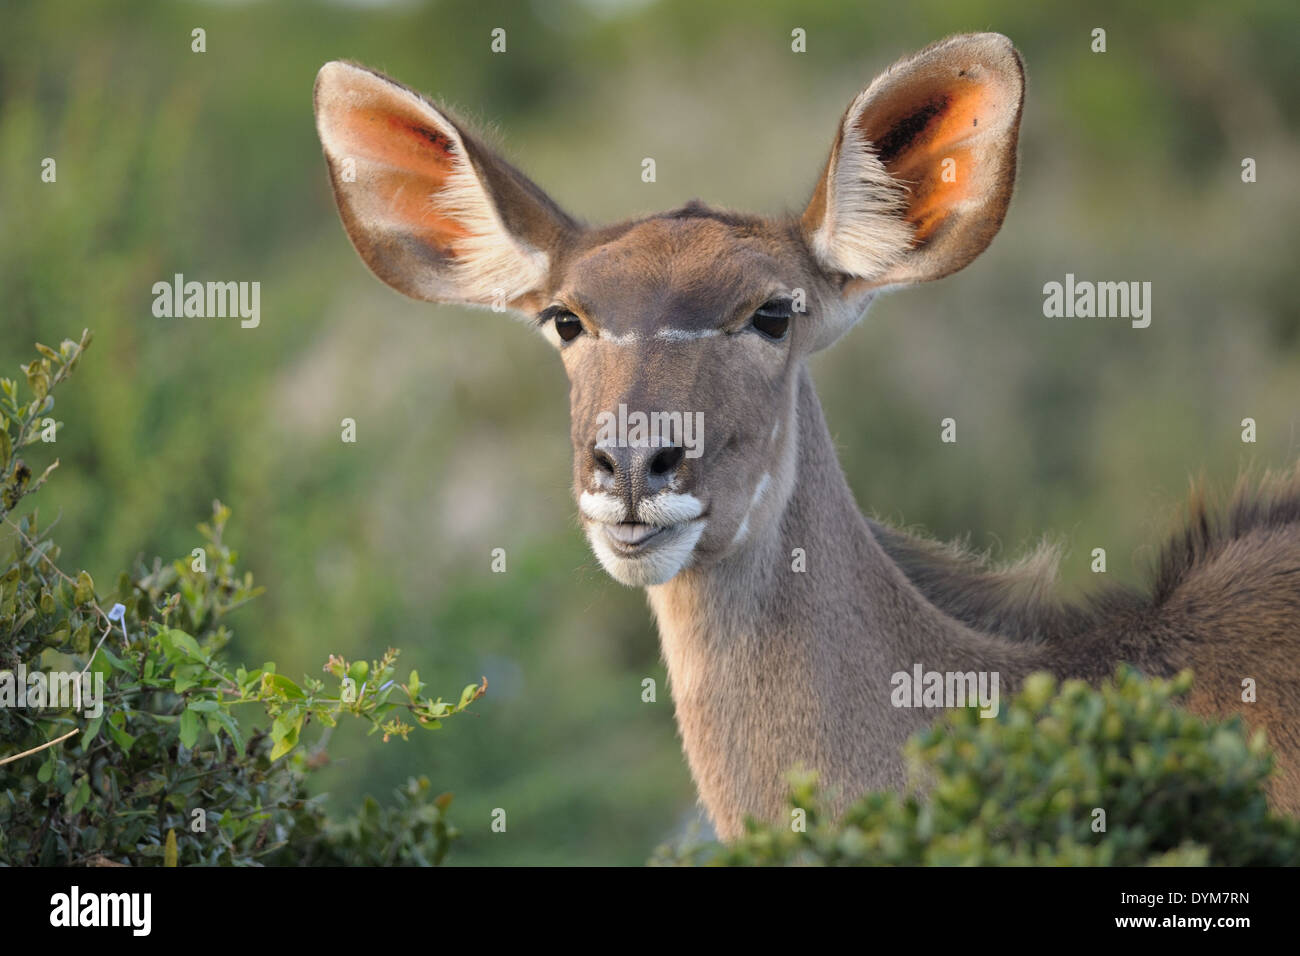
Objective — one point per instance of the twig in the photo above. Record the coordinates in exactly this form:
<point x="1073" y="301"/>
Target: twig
<point x="28" y="753"/>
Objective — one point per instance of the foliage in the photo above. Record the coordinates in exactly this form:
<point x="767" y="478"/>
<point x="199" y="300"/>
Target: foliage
<point x="163" y="764"/>
<point x="170" y="161"/>
<point x="412" y="831"/>
<point x="1022" y="789"/>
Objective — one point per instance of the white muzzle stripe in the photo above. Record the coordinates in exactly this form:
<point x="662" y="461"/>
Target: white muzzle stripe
<point x="665" y="508"/>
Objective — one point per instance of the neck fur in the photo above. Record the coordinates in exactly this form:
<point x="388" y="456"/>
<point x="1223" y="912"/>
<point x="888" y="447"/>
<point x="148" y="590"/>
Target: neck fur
<point x="772" y="667"/>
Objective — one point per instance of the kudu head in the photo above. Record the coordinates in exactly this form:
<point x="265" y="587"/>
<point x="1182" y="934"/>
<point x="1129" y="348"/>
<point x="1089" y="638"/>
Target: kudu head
<point x="683" y="334"/>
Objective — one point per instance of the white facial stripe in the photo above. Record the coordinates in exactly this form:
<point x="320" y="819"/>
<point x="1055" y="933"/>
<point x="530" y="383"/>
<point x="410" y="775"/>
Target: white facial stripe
<point x="665" y="334"/>
<point x="685" y="335"/>
<point x="669" y="508"/>
<point x="743" y="530"/>
<point x="602" y="507"/>
<point x="628" y="338"/>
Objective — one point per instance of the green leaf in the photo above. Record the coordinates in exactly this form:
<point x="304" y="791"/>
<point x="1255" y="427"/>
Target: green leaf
<point x="100" y="664"/>
<point x="232" y="728"/>
<point x="185" y="676"/>
<point x="85" y="591"/>
<point x="186" y="644"/>
<point x="38" y="378"/>
<point x="120" y="736"/>
<point x="279" y="685"/>
<point x="284" y="731"/>
<point x="189" y="728"/>
<point x="92" y="731"/>
<point x="22" y="620"/>
<point x="107" y="661"/>
<point x="286" y="724"/>
<point x="79" y="797"/>
<point x="467" y="695"/>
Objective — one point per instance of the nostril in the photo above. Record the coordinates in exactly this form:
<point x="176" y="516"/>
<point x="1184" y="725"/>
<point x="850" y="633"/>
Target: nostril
<point x="666" y="459"/>
<point x="603" y="460"/>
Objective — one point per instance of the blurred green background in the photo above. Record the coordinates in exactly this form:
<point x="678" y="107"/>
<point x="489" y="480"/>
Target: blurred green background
<point x="208" y="164"/>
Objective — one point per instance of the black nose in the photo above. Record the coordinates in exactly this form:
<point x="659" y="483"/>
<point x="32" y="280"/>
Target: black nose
<point x="664" y="461"/>
<point x="604" y="461"/>
<point x="638" y="469"/>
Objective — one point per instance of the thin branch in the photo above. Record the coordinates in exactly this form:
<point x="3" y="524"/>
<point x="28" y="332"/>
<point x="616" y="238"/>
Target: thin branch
<point x="28" y="753"/>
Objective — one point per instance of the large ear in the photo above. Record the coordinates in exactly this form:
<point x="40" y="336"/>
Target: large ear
<point x="922" y="168"/>
<point x="433" y="212"/>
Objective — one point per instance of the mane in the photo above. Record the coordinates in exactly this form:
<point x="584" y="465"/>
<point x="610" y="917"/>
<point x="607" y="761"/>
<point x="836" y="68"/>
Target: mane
<point x="1270" y="504"/>
<point x="1020" y="601"/>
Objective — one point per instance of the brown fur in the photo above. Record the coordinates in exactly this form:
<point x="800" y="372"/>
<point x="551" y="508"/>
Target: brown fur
<point x="1224" y="601"/>
<point x="774" y="664"/>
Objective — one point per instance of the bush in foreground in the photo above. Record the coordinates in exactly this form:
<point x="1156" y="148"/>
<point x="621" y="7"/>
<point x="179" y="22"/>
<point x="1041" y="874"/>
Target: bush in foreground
<point x="1068" y="775"/>
<point x="172" y="766"/>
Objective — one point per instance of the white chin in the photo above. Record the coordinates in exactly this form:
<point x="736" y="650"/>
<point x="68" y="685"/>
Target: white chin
<point x="652" y="566"/>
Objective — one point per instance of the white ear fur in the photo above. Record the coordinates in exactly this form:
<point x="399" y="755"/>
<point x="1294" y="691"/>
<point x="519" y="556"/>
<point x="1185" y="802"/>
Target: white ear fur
<point x="447" y="245"/>
<point x="862" y="232"/>
<point x="491" y="262"/>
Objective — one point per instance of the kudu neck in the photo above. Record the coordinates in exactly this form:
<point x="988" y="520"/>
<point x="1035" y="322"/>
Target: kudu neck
<point x="803" y="570"/>
<point x="776" y="663"/>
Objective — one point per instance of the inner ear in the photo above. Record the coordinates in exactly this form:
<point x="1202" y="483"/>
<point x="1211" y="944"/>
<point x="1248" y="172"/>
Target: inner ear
<point x="922" y="167"/>
<point x="432" y="210"/>
<point x="413" y="162"/>
<point x="929" y="138"/>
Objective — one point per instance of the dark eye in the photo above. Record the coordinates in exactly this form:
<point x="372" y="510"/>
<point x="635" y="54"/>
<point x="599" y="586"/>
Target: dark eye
<point x="567" y="326"/>
<point x="773" y="318"/>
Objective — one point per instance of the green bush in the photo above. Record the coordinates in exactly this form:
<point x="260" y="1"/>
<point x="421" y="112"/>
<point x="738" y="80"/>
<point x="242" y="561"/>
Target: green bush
<point x="1024" y="789"/>
<point x="171" y="770"/>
